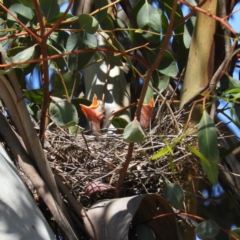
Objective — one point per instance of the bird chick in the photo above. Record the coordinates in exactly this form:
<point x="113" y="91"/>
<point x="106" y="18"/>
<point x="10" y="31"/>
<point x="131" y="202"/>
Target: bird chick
<point x="94" y="114"/>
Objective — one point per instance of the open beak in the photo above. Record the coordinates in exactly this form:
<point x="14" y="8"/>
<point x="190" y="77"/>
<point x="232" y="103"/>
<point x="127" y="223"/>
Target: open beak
<point x="94" y="114"/>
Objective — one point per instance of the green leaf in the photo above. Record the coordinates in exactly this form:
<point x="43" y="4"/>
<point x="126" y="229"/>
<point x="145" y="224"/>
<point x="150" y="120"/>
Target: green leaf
<point x="59" y="39"/>
<point x="188" y="31"/>
<point x="150" y="19"/>
<point x="88" y="23"/>
<point x="77" y="101"/>
<point x="75" y="130"/>
<point x="72" y="42"/>
<point x="60" y="61"/>
<point x="207" y="229"/>
<point x="198" y="154"/>
<point x="34" y="96"/>
<point x="133" y="132"/>
<point x="63" y="113"/>
<point x="235" y="92"/>
<point x="81" y="41"/>
<point x="119" y="123"/>
<point x="20" y="11"/>
<point x="101" y="15"/>
<point x="50" y="9"/>
<point x="66" y="85"/>
<point x="174" y="194"/>
<point x="236" y="233"/>
<point x="23" y="56"/>
<point x="208" y="146"/>
<point x="88" y="39"/>
<point x="163" y="83"/>
<point x="234" y="82"/>
<point x="34" y="111"/>
<point x="107" y="23"/>
<point x="15" y="50"/>
<point x="161" y="153"/>
<point x="27" y="3"/>
<point x="167" y="66"/>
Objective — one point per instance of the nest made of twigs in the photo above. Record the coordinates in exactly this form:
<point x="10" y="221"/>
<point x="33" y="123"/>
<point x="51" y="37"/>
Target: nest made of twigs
<point x="84" y="159"/>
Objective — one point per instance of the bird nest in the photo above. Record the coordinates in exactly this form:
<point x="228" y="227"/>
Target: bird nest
<point x="84" y="161"/>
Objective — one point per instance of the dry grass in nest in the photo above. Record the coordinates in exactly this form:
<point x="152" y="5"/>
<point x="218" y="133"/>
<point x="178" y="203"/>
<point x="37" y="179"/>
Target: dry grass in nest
<point x="83" y="159"/>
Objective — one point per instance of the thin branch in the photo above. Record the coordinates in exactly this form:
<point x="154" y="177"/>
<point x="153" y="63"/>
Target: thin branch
<point x="45" y="75"/>
<point x="193" y="12"/>
<point x="124" y="169"/>
<point x="219" y="19"/>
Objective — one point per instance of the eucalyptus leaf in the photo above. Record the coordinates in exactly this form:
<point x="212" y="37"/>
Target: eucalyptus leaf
<point x="66" y="85"/>
<point x="84" y="101"/>
<point x="75" y="130"/>
<point x="34" y="96"/>
<point x="72" y="42"/>
<point x="60" y="61"/>
<point x="119" y="122"/>
<point x="102" y="14"/>
<point x="50" y="9"/>
<point x="133" y="132"/>
<point x="208" y="146"/>
<point x="174" y="194"/>
<point x="188" y="31"/>
<point x="88" y="39"/>
<point x="234" y="82"/>
<point x="88" y="23"/>
<point x="149" y="18"/>
<point x="27" y="3"/>
<point x="167" y="66"/>
<point x="15" y="50"/>
<point x="163" y="83"/>
<point x="198" y="154"/>
<point x="63" y="113"/>
<point x="19" y="10"/>
<point x="23" y="56"/>
<point x="207" y="229"/>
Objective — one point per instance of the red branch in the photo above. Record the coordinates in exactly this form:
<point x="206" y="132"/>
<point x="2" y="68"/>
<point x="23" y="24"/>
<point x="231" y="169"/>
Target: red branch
<point x="77" y="52"/>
